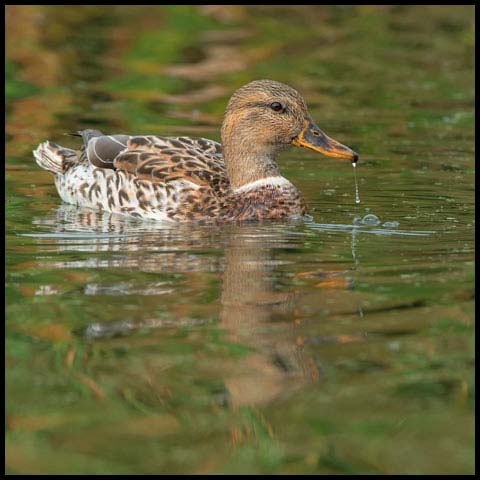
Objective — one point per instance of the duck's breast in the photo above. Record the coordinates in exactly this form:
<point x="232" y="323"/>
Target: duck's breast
<point x="270" y="198"/>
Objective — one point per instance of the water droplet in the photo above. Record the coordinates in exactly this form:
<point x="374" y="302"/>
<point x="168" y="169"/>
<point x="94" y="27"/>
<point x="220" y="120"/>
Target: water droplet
<point x="370" y="219"/>
<point x="357" y="197"/>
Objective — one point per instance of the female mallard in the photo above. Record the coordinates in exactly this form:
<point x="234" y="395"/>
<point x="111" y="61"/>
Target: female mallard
<point x="184" y="178"/>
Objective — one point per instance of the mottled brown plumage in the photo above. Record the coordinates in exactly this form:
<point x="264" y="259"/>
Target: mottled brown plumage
<point x="196" y="179"/>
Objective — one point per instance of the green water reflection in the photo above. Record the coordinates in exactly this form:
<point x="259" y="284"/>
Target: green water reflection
<point x="319" y="347"/>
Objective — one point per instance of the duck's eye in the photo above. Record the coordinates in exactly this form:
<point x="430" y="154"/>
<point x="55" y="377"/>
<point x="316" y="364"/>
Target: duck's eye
<point x="277" y="107"/>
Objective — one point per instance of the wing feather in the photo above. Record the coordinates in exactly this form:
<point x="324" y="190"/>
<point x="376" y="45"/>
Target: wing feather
<point x="165" y="159"/>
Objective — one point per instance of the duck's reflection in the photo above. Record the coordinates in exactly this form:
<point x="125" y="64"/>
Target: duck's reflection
<point x="257" y="305"/>
<point x="256" y="313"/>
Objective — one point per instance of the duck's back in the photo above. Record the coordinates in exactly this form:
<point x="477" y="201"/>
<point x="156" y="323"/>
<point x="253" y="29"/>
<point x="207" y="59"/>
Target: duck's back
<point x="161" y="178"/>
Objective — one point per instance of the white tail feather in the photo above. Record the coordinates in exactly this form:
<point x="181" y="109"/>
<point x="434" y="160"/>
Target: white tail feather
<point x="50" y="157"/>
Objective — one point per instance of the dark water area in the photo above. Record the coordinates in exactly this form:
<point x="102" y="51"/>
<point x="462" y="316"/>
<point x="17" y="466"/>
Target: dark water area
<point x="341" y="344"/>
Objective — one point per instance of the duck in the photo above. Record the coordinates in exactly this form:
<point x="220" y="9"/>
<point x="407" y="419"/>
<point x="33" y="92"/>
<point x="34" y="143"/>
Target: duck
<point x="188" y="179"/>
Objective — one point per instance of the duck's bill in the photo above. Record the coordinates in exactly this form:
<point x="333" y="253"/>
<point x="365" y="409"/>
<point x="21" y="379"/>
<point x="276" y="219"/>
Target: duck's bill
<point x="313" y="138"/>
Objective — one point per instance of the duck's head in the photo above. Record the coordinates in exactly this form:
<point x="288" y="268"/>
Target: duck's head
<point x="264" y="117"/>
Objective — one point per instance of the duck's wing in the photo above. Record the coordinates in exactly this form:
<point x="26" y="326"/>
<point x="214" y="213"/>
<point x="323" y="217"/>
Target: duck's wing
<point x="164" y="159"/>
<point x="161" y="159"/>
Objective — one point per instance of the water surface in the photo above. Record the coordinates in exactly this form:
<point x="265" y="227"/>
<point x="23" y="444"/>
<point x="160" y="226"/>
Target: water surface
<point x="342" y="344"/>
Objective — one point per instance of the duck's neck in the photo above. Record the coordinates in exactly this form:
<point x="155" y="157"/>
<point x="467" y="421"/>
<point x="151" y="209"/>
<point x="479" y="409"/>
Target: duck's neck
<point x="248" y="161"/>
<point x="245" y="166"/>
